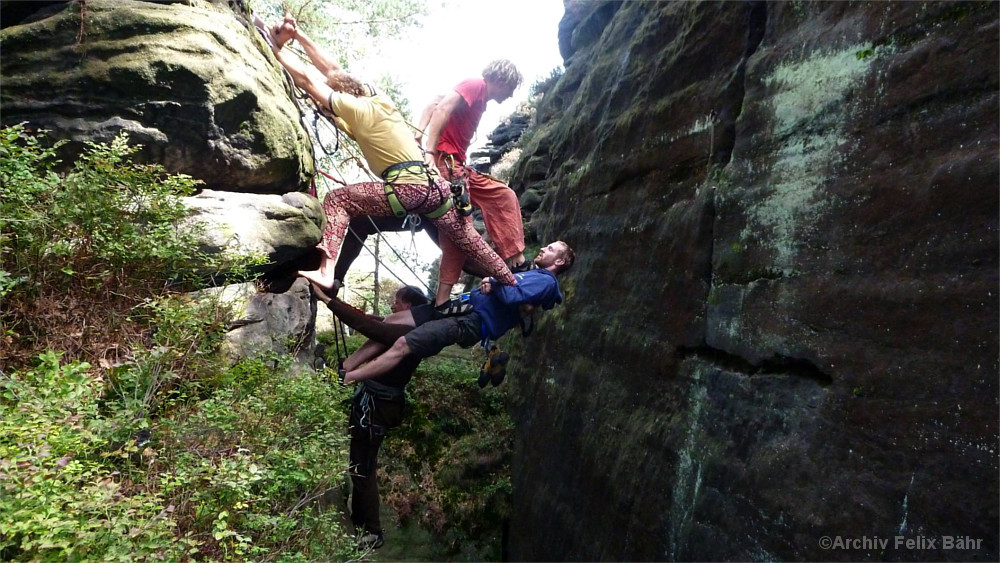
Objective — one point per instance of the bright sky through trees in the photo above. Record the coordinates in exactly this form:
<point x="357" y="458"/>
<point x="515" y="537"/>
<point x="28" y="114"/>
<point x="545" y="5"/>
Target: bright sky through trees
<point x="457" y="39"/>
<point x="460" y="37"/>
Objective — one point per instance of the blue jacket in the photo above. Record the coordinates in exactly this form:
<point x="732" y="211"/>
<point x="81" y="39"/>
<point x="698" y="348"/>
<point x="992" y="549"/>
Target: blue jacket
<point x="500" y="309"/>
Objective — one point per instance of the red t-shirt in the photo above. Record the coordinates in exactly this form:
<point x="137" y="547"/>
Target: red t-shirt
<point x="457" y="133"/>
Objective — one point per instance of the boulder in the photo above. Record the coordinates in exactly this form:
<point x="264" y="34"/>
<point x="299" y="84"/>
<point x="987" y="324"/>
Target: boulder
<point x="282" y="227"/>
<point x="189" y="81"/>
<point x="268" y="322"/>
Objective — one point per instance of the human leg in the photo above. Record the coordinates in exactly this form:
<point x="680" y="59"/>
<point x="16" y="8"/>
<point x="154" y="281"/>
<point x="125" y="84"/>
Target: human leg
<point x="450" y="269"/>
<point x="468" y="241"/>
<point x="501" y="213"/>
<point x="424" y="341"/>
<point x="380" y="364"/>
<point x="370" y="420"/>
<point x="340" y="206"/>
<point x="364" y="481"/>
<point x="373" y="347"/>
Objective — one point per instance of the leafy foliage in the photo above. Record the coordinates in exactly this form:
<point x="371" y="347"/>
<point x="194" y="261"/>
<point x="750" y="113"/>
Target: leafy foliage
<point x="450" y="467"/>
<point x="155" y="449"/>
<point x="543" y="85"/>
<point x="103" y="222"/>
<point x="61" y="497"/>
<point x="350" y="28"/>
<point x="446" y="470"/>
<point x="228" y="476"/>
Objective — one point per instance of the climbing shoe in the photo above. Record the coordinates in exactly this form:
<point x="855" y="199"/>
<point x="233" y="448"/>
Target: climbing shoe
<point x="494" y="370"/>
<point x="457" y="306"/>
<point x="370" y="540"/>
<point x="460" y="197"/>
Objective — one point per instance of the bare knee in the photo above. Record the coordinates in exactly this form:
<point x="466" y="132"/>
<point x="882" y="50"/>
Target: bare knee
<point x="400" y="347"/>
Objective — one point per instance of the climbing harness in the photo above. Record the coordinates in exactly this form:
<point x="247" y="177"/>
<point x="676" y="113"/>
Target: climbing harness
<point x="390" y="176"/>
<point x="453" y="307"/>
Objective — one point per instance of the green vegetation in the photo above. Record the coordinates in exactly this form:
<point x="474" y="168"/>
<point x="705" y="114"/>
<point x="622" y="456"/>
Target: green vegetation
<point x="445" y="472"/>
<point x="543" y="85"/>
<point x="123" y="434"/>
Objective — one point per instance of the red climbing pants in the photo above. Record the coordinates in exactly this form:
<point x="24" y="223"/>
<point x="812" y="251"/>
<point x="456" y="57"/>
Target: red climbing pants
<point x="368" y="198"/>
<point x="501" y="213"/>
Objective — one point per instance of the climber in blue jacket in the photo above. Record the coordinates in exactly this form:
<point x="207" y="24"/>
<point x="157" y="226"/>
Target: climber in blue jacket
<point x="489" y="312"/>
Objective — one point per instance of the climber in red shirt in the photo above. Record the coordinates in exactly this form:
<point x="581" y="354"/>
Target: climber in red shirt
<point x="448" y="125"/>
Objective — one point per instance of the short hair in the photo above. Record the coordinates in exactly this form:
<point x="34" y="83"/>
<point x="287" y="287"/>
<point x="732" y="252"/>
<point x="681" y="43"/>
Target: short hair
<point x="568" y="257"/>
<point x="503" y="71"/>
<point x="412" y="295"/>
<point x="340" y="81"/>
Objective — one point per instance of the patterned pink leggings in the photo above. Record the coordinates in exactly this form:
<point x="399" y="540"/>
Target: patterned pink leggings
<point x="368" y="198"/>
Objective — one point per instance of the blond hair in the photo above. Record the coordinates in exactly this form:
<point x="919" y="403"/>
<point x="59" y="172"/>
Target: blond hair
<point x="568" y="256"/>
<point x="340" y="81"/>
<point x="502" y="71"/>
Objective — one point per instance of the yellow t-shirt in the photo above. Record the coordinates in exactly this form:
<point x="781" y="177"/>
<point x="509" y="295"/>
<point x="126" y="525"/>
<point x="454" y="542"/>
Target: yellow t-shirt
<point x="380" y="131"/>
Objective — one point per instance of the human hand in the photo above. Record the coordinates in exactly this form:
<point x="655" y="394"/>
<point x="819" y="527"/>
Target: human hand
<point x="285" y="31"/>
<point x="320" y="293"/>
<point x="430" y="164"/>
<point x="485" y="287"/>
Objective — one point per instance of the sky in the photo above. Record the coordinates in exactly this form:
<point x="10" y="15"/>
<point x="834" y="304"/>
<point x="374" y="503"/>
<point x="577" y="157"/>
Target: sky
<point x="458" y="38"/>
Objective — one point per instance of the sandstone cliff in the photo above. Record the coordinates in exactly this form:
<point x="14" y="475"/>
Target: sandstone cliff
<point x="783" y="321"/>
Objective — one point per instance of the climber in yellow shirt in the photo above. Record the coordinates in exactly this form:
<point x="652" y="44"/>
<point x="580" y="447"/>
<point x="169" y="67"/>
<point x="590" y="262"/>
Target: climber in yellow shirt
<point x="390" y="150"/>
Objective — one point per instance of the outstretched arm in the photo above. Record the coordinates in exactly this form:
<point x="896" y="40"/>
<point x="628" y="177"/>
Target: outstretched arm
<point x="318" y="91"/>
<point x="288" y="29"/>
<point x="386" y="333"/>
<point x="320" y="59"/>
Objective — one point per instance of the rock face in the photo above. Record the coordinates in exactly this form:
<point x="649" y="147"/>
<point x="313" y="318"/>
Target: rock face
<point x="198" y="88"/>
<point x="189" y="81"/>
<point x="782" y="325"/>
<point x="501" y="141"/>
<point x="268" y="322"/>
<point x="280" y="227"/>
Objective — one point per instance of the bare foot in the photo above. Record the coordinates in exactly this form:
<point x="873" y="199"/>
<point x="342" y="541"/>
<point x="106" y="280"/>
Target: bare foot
<point x="317" y="277"/>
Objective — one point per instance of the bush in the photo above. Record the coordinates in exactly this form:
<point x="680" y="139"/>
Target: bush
<point x="61" y="496"/>
<point x="79" y="250"/>
<point x="448" y="465"/>
<point x="247" y="464"/>
<point x="154" y="449"/>
<point x="105" y="222"/>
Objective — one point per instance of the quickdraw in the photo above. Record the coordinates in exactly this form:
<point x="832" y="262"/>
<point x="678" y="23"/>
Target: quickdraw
<point x="459" y="191"/>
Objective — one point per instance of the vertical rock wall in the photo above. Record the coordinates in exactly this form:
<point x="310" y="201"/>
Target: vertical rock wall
<point x="783" y="321"/>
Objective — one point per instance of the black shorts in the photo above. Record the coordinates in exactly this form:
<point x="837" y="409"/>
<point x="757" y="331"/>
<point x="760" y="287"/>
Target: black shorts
<point x="422" y="314"/>
<point x="431" y="337"/>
